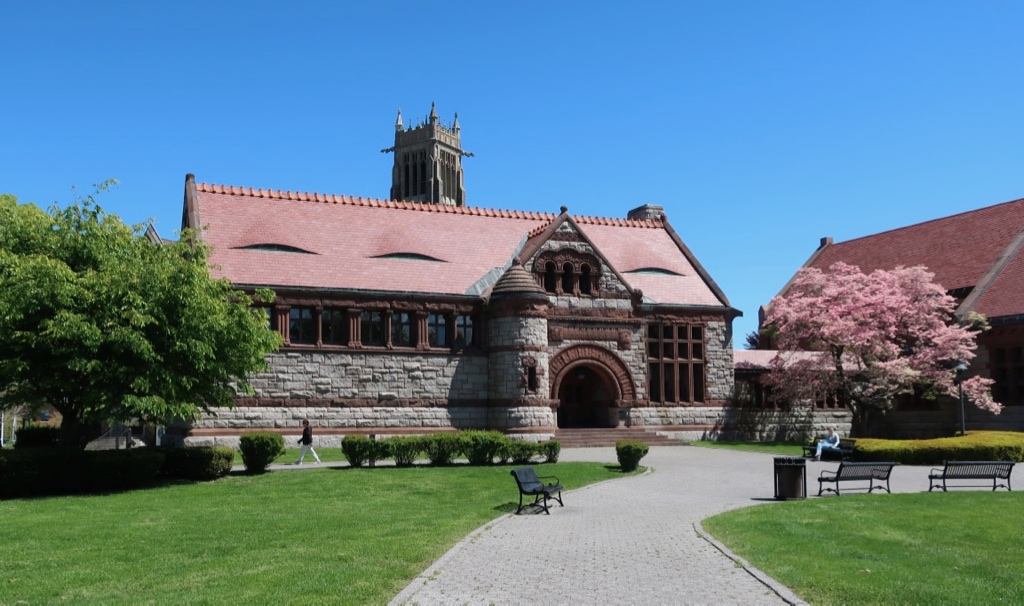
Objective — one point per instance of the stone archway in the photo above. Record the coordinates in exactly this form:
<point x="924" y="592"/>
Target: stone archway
<point x="590" y="383"/>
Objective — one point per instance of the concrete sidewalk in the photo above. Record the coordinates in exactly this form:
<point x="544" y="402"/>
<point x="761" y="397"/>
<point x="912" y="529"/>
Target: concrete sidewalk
<point x="634" y="540"/>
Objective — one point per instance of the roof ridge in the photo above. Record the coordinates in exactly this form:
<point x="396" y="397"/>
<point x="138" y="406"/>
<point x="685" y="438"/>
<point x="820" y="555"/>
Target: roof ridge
<point x="935" y="220"/>
<point x="277" y="194"/>
<point x="213" y="188"/>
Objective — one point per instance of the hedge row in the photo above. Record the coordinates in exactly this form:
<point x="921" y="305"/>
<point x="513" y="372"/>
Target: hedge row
<point x="478" y="447"/>
<point x="975" y="446"/>
<point x="31" y="472"/>
<point x="51" y="471"/>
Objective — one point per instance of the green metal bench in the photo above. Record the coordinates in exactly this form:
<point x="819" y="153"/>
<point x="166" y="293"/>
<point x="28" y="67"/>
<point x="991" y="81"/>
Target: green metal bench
<point x="854" y="472"/>
<point x="530" y="485"/>
<point x="971" y="470"/>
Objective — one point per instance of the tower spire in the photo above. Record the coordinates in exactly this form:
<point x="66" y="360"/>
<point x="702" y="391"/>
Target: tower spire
<point x="428" y="162"/>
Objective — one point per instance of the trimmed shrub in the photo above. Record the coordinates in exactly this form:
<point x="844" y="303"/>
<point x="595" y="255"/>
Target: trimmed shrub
<point x="550" y="450"/>
<point x="259" y="449"/>
<point x="520" y="452"/>
<point x="442" y="448"/>
<point x="199" y="463"/>
<point x="404" y="449"/>
<point x="975" y="446"/>
<point x="481" y="447"/>
<point x="361" y="449"/>
<point x="53" y="471"/>
<point x="121" y="469"/>
<point x="629" y="453"/>
<point x="37" y="436"/>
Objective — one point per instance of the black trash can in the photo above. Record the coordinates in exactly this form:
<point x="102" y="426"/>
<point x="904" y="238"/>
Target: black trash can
<point x="790" y="478"/>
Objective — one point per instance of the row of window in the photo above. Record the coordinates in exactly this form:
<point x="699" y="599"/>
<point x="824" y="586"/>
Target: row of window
<point x="675" y="351"/>
<point x="566" y="280"/>
<point x="347" y="328"/>
<point x="758" y="395"/>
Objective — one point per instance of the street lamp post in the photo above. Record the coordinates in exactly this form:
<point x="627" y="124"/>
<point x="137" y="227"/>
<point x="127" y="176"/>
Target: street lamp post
<point x="960" y="368"/>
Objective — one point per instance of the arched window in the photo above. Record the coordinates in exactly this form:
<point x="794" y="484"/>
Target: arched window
<point x="568" y="279"/>
<point x="550" y="280"/>
<point x="569" y="272"/>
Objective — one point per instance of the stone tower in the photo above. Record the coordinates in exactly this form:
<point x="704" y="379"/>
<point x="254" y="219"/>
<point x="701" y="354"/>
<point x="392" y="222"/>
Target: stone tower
<point x="428" y="162"/>
<point x="518" y="352"/>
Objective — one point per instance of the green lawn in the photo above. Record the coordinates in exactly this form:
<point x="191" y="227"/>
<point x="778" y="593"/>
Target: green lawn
<point x="924" y="548"/>
<point x="787" y="449"/>
<point x="329" y="535"/>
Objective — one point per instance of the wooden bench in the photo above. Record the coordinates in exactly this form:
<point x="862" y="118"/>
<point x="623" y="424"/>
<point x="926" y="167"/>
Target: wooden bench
<point x="971" y="470"/>
<point x="531" y="485"/>
<point x="853" y="472"/>
<point x="843" y="453"/>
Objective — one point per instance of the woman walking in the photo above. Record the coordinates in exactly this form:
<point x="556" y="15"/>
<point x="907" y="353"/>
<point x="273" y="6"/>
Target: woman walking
<point x="307" y="442"/>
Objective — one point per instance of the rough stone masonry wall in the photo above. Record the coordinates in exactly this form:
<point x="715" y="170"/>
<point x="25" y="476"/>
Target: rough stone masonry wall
<point x="331" y="389"/>
<point x="512" y="339"/>
<point x="377" y="375"/>
<point x="727" y="423"/>
<point x="718" y="362"/>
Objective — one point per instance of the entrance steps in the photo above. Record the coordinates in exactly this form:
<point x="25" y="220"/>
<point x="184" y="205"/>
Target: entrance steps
<point x="593" y="437"/>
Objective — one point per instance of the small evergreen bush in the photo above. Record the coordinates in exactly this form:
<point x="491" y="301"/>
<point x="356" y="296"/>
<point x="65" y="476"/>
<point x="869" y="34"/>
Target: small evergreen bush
<point x="199" y="463"/>
<point x="481" y="447"/>
<point x="629" y="453"/>
<point x="520" y="452"/>
<point x="259" y="449"/>
<point x="550" y="450"/>
<point x="359" y="450"/>
<point x="404" y="449"/>
<point x="442" y="448"/>
<point x="37" y="436"/>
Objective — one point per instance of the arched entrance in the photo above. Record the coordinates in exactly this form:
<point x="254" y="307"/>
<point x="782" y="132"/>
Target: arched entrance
<point x="590" y="383"/>
<point x="585" y="399"/>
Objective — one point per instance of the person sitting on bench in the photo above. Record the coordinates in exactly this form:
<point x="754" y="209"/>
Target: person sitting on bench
<point x="831" y="442"/>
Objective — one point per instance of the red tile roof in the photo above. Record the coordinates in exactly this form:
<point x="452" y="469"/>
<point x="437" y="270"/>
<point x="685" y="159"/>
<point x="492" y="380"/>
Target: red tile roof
<point x="352" y="244"/>
<point x="978" y="248"/>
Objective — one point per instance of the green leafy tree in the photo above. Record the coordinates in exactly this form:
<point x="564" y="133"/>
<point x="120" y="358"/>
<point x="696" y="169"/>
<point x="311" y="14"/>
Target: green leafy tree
<point x="104" y="325"/>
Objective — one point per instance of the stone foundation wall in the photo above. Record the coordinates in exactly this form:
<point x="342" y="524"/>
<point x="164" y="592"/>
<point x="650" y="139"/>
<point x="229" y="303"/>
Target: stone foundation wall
<point x="330" y="423"/>
<point x="732" y="423"/>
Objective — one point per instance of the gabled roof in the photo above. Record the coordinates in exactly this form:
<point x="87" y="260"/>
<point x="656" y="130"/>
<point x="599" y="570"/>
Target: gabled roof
<point x="315" y="241"/>
<point x="979" y="250"/>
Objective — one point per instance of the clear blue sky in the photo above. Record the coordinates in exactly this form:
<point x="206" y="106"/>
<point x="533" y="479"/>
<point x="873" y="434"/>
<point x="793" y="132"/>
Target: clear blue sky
<point x="759" y="126"/>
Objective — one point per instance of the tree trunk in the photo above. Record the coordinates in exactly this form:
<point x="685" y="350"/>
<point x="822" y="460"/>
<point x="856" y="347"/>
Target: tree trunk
<point x="74" y="434"/>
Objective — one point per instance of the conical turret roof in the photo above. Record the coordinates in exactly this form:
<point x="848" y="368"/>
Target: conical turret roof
<point x="517" y="282"/>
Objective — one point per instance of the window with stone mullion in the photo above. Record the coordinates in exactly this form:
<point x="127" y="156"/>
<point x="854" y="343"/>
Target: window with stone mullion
<point x="371" y="328"/>
<point x="302" y="328"/>
<point x="675" y="362"/>
<point x="334" y="327"/>
<point x="403" y="333"/>
<point x="464" y="331"/>
<point x="437" y="330"/>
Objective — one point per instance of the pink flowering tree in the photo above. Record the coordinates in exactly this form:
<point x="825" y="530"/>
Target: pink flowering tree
<point x="866" y="338"/>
